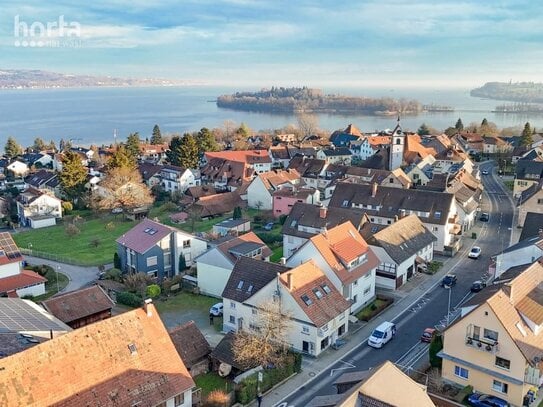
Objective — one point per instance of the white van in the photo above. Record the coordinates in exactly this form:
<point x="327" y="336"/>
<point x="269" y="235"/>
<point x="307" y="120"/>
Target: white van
<point x="382" y="334"/>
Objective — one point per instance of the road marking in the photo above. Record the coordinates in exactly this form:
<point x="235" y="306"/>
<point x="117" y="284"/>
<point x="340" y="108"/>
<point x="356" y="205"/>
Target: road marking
<point x="349" y="366"/>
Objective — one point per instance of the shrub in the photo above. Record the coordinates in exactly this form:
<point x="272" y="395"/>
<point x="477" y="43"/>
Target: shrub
<point x="182" y="263"/>
<point x="114" y="274"/>
<point x="217" y="398"/>
<point x="109" y="226"/>
<point x="153" y="291"/>
<point x="72" y="230"/>
<point x="282" y="219"/>
<point x="130" y="299"/>
<point x="116" y="261"/>
<point x="67" y="207"/>
<point x="138" y="283"/>
<point x="462" y="394"/>
<point x="168" y="207"/>
<point x="270" y="238"/>
<point x="42" y="269"/>
<point x="95" y="242"/>
<point x="373" y="307"/>
<point x="433" y="350"/>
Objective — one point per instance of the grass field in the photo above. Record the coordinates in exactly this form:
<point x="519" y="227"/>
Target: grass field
<point x="51" y="285"/>
<point x="94" y="245"/>
<point x="212" y="381"/>
<point x="186" y="301"/>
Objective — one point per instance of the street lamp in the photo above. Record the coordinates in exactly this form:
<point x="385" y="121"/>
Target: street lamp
<point x="449" y="288"/>
<point x="58" y="289"/>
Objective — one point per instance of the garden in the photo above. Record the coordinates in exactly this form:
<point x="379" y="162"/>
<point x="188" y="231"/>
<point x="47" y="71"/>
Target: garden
<point x="374" y="308"/>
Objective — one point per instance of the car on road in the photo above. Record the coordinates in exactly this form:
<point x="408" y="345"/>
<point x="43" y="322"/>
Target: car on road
<point x="216" y="310"/>
<point x="477" y="286"/>
<point x="475" y="252"/>
<point x="484" y="172"/>
<point x="428" y="335"/>
<point x="449" y="280"/>
<point x="117" y="210"/>
<point x="486" y="400"/>
<point x="382" y="334"/>
<point x="485" y="217"/>
<point x="268" y="226"/>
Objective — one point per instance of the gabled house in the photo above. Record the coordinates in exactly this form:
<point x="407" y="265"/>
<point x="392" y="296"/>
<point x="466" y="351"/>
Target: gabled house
<point x="400" y="248"/>
<point x="15" y="281"/>
<point x="396" y="178"/>
<point x="335" y="155"/>
<point x="318" y="174"/>
<point x="232" y="227"/>
<point x="258" y="160"/>
<point x="284" y="199"/>
<point x="307" y="220"/>
<point x="280" y="156"/>
<point x="532" y="225"/>
<point x="215" y="266"/>
<point x="150" y="173"/>
<point x="385" y="205"/>
<point x="343" y="138"/>
<point x="497" y="345"/>
<point x="345" y="258"/>
<point x="18" y="168"/>
<point x="530" y="200"/>
<point x="192" y="347"/>
<point x="524" y="252"/>
<point x="226" y="175"/>
<point x="218" y="204"/>
<point x="43" y="180"/>
<point x="178" y="179"/>
<point x="527" y="173"/>
<point x="155" y="153"/>
<point x="494" y="145"/>
<point x="111" y="362"/>
<point x="317" y="310"/>
<point x="451" y="161"/>
<point x="38" y="209"/>
<point x="155" y="249"/>
<point x="421" y="172"/>
<point x="260" y="190"/>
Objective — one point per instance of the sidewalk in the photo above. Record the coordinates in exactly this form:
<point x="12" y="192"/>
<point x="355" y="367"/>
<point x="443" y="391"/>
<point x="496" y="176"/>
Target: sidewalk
<point x="404" y="298"/>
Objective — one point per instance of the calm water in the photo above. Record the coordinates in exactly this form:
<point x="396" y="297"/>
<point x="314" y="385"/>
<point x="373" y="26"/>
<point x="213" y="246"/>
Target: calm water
<point x="92" y="114"/>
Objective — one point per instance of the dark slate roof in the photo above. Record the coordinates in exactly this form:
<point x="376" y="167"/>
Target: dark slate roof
<point x="378" y="161"/>
<point x="147" y="170"/>
<point x="244" y="248"/>
<point x="144" y="235"/>
<point x="333" y="152"/>
<point x="530" y="191"/>
<point x="190" y="343"/>
<point x="307" y="167"/>
<point x="249" y="276"/>
<point x="403" y="238"/>
<point x="309" y="215"/>
<point x="528" y="167"/>
<point x="391" y="201"/>
<point x="40" y="178"/>
<point x="223" y="352"/>
<point x="533" y="224"/>
<point x="339" y="138"/>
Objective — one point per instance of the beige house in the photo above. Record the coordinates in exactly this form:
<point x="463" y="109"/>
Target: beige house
<point x="497" y="345"/>
<point x="530" y="200"/>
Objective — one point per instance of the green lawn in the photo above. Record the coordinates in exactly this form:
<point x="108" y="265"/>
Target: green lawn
<point x="277" y="254"/>
<point x="51" y="285"/>
<point x="78" y="249"/>
<point x="185" y="300"/>
<point x="212" y="381"/>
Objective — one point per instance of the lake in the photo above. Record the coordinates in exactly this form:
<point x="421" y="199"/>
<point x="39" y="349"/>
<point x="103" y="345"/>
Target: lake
<point x="90" y="115"/>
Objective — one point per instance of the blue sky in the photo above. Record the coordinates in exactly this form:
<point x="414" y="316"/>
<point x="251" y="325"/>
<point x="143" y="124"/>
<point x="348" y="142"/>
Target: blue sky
<point x="264" y="43"/>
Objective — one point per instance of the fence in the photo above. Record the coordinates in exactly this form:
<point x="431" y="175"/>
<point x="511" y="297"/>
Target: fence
<point x="55" y="257"/>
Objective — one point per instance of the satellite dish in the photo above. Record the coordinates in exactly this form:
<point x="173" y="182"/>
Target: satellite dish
<point x="224" y="369"/>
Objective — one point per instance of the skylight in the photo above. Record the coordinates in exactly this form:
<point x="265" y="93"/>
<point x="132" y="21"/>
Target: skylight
<point x="326" y="289"/>
<point x="240" y="284"/>
<point x="318" y="293"/>
<point x="250" y="288"/>
<point x="345" y="203"/>
<point x="306" y="299"/>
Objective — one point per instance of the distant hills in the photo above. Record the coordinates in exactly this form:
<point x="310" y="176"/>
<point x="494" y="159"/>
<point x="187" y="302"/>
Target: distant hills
<point x="292" y="100"/>
<point x="23" y="78"/>
<point x="527" y="92"/>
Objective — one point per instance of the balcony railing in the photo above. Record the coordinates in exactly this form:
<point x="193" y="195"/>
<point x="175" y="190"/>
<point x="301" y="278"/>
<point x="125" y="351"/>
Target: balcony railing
<point x="484" y="345"/>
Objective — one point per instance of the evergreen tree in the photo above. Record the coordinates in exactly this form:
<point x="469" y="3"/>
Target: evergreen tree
<point x="423" y="130"/>
<point x="156" y="138"/>
<point x="52" y="146"/>
<point x="173" y="154"/>
<point x="526" y="138"/>
<point x="73" y="175"/>
<point x="133" y="144"/>
<point x="435" y="346"/>
<point x="121" y="158"/>
<point x="39" y="144"/>
<point x="484" y="123"/>
<point x="189" y="151"/>
<point x="237" y="213"/>
<point x="116" y="261"/>
<point x="459" y="125"/>
<point x="206" y="141"/>
<point x="182" y="263"/>
<point x="61" y="145"/>
<point x="12" y="148"/>
<point x="243" y="131"/>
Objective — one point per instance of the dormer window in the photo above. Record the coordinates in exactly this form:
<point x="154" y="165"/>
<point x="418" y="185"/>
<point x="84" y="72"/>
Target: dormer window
<point x="240" y="285"/>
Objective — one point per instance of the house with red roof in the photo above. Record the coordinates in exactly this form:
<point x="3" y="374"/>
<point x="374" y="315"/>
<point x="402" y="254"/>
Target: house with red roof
<point x="258" y="160"/>
<point x="14" y="280"/>
<point x="345" y="258"/>
<point x="261" y="189"/>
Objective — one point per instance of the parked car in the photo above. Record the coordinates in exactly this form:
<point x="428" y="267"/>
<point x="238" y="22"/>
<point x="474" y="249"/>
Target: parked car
<point x="338" y="343"/>
<point x="382" y="334"/>
<point x="449" y="280"/>
<point x="486" y="400"/>
<point x="268" y="226"/>
<point x="117" y="210"/>
<point x="428" y="335"/>
<point x="485" y="217"/>
<point x="477" y="286"/>
<point x="475" y="252"/>
<point x="216" y="310"/>
<point x="484" y="172"/>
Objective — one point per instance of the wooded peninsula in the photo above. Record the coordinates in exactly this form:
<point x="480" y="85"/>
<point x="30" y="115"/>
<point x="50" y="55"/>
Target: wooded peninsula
<point x="529" y="92"/>
<point x="293" y="100"/>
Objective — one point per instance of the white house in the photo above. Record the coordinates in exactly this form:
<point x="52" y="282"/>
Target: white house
<point x="400" y="247"/>
<point x="38" y="209"/>
<point x="362" y="149"/>
<point x="346" y="259"/>
<point x="261" y="189"/>
<point x="317" y="310"/>
<point x="18" y="168"/>
<point x="177" y="179"/>
<point x="524" y="252"/>
<point x="215" y="266"/>
<point x="336" y="155"/>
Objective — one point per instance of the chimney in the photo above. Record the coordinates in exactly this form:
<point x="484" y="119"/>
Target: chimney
<point x="283" y="261"/>
<point x="289" y="281"/>
<point x="322" y="212"/>
<point x="147" y="308"/>
<point x="374" y="190"/>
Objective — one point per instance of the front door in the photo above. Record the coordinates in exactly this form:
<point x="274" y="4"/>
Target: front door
<point x="240" y="324"/>
<point x="305" y="347"/>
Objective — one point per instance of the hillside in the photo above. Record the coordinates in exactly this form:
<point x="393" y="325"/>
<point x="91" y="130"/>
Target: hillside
<point x="529" y="92"/>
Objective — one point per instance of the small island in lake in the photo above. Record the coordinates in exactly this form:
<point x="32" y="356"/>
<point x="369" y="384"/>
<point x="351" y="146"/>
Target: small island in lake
<point x="292" y="100"/>
<point x="527" y="92"/>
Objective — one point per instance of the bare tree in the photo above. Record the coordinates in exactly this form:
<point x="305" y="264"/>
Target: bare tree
<point x="307" y="123"/>
<point x="268" y="344"/>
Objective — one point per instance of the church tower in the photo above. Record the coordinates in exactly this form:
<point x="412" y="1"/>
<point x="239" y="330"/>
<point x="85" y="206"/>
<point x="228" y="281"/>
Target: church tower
<point x="397" y="142"/>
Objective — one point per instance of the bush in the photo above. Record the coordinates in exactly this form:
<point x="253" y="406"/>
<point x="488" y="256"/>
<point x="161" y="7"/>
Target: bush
<point x="462" y="394"/>
<point x="42" y="269"/>
<point x="116" y="261"/>
<point x="168" y="207"/>
<point x="95" y="242"/>
<point x="67" y="207"/>
<point x="128" y="298"/>
<point x="72" y="230"/>
<point x="153" y="291"/>
<point x="433" y="350"/>
<point x="282" y="219"/>
<point x="109" y="226"/>
<point x="114" y="274"/>
<point x="217" y="398"/>
<point x="182" y="263"/>
<point x="270" y="238"/>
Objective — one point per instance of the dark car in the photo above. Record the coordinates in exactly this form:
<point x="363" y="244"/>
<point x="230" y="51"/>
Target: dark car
<point x="449" y="280"/>
<point x="486" y="400"/>
<point x="484" y="217"/>
<point x="268" y="226"/>
<point x="477" y="286"/>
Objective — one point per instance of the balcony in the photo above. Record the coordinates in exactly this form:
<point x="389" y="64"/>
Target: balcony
<point x="484" y="344"/>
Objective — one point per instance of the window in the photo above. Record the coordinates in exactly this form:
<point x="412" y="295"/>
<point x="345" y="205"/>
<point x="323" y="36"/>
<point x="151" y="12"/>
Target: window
<point x="152" y="273"/>
<point x="389" y="222"/>
<point x="305" y="329"/>
<point x="345" y="203"/>
<point x="306" y="299"/>
<point x="186" y="244"/>
<point x="232" y="305"/>
<point x="437" y="214"/>
<point x="476" y="332"/>
<point x="254" y="311"/>
<point x="461" y="372"/>
<point x="179" y="400"/>
<point x="391" y="180"/>
<point x="490" y="334"/>
<point x="367" y="290"/>
<point x="499" y="386"/>
<point x="240" y="284"/>
<point x="317" y="293"/>
<point x="326" y="289"/>
<point x="355" y="282"/>
<point x="232" y="319"/>
<point x="355" y="299"/>
<point x="503" y="363"/>
<point x="151" y="261"/>
<point x="435" y="229"/>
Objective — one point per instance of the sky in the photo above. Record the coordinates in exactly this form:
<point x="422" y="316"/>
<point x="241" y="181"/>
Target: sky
<point x="283" y="43"/>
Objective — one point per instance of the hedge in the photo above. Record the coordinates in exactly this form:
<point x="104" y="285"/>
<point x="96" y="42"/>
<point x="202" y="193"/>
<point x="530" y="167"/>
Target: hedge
<point x="128" y="298"/>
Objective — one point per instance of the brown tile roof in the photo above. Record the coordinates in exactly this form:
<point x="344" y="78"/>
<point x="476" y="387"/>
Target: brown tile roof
<point x="144" y="235"/>
<point x="236" y="241"/>
<point x="95" y="366"/>
<point x="353" y="130"/>
<point x="304" y="281"/>
<point x="235" y="172"/>
<point x="275" y="178"/>
<point x="79" y="304"/>
<point x="219" y="204"/>
<point x="148" y="170"/>
<point x="199" y="191"/>
<point x="341" y="245"/>
<point x="190" y="343"/>
<point x="25" y="278"/>
<point x="376" y="141"/>
<point x="9" y="252"/>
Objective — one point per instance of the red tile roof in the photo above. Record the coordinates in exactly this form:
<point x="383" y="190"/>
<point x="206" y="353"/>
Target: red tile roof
<point x="126" y="360"/>
<point x="139" y="240"/>
<point x="244" y="156"/>
<point x="26" y="278"/>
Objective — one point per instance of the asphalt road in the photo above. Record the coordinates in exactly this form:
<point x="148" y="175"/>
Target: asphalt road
<point x="431" y="309"/>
